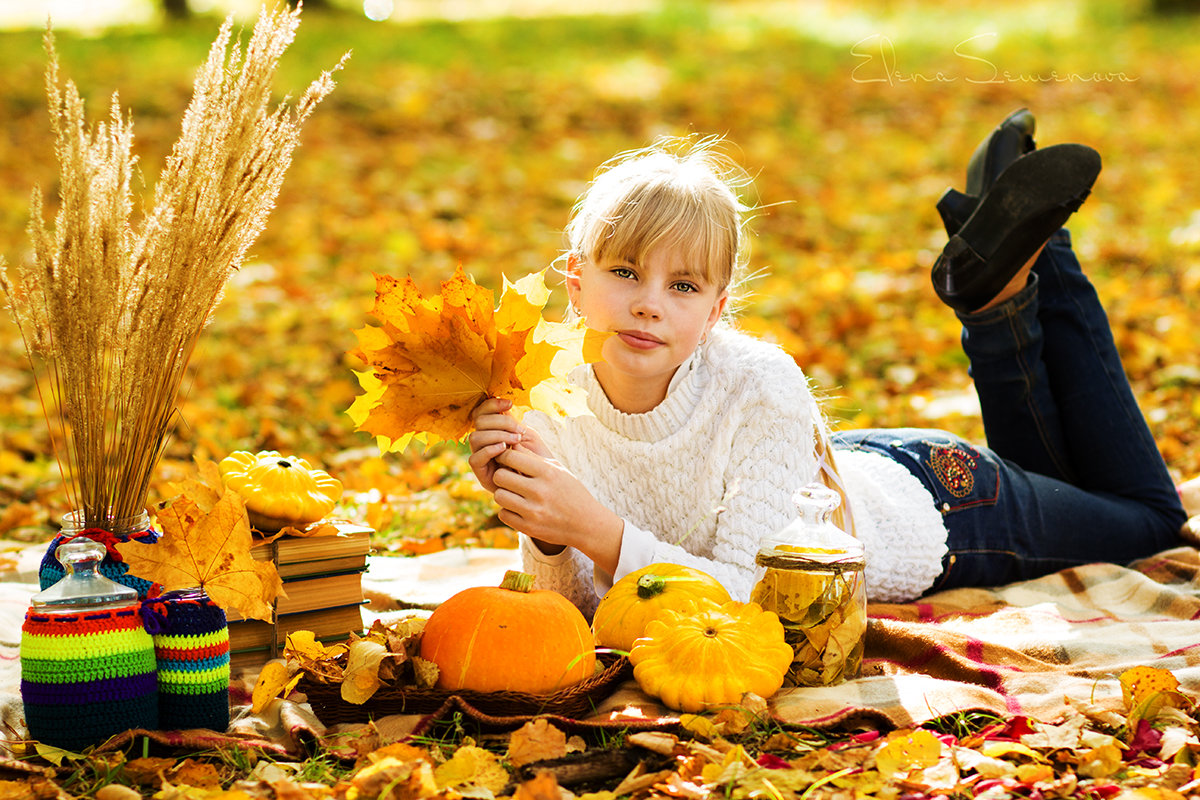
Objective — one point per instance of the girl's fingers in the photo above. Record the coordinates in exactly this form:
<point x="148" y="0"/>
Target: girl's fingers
<point x="483" y="455"/>
<point x="492" y="406"/>
<point x="522" y="460"/>
<point x="497" y="422"/>
<point x="514" y="482"/>
<point x="490" y="437"/>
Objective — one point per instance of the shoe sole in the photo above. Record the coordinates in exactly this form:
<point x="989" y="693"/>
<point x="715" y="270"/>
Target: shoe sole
<point x="1028" y="203"/>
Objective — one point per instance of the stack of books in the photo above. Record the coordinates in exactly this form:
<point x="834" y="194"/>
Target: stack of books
<point x="322" y="576"/>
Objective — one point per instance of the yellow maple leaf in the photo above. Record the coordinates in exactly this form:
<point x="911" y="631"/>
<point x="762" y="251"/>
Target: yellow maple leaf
<point x="211" y="550"/>
<point x="433" y="360"/>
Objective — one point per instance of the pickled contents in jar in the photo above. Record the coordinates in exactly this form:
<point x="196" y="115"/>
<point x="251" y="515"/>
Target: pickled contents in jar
<point x="822" y="608"/>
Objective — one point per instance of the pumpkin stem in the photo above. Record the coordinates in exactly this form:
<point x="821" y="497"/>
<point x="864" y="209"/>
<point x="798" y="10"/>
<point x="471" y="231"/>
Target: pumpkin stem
<point x="517" y="581"/>
<point x="650" y="586"/>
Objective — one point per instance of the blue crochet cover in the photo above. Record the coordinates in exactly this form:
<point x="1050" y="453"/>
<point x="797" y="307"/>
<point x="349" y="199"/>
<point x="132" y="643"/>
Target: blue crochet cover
<point x="51" y="571"/>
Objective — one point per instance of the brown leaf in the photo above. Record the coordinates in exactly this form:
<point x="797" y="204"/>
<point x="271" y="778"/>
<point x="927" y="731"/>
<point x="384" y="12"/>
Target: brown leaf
<point x="535" y="741"/>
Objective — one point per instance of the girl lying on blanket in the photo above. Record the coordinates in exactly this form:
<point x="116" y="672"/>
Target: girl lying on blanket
<point x="701" y="435"/>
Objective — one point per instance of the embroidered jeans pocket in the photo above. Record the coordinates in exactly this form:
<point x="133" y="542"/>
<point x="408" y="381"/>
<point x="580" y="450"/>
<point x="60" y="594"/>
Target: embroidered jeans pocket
<point x="959" y="475"/>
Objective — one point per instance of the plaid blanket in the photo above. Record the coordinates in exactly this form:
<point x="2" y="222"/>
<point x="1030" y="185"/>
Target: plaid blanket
<point x="1035" y="648"/>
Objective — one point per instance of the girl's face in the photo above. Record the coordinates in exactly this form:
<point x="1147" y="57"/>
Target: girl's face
<point x="658" y="311"/>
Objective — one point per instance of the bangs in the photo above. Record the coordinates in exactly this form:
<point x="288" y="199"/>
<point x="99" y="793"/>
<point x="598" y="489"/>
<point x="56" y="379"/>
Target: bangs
<point x="703" y="230"/>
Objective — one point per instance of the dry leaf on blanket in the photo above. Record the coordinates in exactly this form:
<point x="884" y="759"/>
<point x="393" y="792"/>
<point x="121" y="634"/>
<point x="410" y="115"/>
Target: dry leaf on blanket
<point x="274" y="681"/>
<point x="1140" y="683"/>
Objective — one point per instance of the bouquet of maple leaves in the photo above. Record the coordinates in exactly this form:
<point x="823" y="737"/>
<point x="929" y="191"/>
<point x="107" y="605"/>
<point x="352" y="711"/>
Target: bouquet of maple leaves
<point x="433" y="360"/>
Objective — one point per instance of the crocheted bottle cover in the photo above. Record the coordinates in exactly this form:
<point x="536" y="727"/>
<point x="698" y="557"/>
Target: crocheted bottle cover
<point x="87" y="675"/>
<point x="191" y="643"/>
<point x="112" y="567"/>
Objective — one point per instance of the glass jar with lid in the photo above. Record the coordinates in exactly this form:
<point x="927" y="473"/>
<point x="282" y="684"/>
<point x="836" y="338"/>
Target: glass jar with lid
<point x="811" y="575"/>
<point x="88" y="669"/>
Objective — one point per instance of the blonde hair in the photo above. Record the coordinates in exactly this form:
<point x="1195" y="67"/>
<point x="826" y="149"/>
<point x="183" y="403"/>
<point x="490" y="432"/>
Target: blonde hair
<point x="681" y="192"/>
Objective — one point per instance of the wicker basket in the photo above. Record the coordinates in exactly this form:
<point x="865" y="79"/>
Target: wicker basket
<point x="575" y="701"/>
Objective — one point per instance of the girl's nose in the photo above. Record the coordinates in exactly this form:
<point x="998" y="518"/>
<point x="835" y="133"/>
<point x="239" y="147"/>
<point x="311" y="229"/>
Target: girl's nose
<point x="647" y="303"/>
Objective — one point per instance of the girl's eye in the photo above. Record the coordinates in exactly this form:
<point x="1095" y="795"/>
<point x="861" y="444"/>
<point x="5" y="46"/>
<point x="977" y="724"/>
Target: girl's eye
<point x="623" y="272"/>
<point x="684" y="286"/>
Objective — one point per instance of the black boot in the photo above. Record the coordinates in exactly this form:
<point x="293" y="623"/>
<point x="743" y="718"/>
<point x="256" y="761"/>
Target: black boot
<point x="1029" y="201"/>
<point x="1010" y="140"/>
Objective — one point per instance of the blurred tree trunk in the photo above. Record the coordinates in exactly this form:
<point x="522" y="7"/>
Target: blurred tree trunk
<point x="1175" y="6"/>
<point x="176" y="9"/>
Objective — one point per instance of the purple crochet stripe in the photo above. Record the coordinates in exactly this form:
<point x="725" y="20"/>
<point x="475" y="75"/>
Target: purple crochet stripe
<point x="108" y="690"/>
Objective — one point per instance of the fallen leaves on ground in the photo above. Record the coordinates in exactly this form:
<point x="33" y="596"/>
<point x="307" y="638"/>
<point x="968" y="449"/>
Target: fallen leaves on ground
<point x="1086" y="754"/>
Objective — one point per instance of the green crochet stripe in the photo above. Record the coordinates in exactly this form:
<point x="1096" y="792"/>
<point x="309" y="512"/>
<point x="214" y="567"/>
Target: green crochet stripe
<point x="49" y="670"/>
<point x="85" y="646"/>
<point x="212" y="686"/>
<point x="172" y="677"/>
<point x="192" y="641"/>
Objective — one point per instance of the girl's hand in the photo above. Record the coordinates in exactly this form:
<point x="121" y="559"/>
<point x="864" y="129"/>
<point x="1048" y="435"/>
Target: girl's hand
<point x="495" y="432"/>
<point x="541" y="498"/>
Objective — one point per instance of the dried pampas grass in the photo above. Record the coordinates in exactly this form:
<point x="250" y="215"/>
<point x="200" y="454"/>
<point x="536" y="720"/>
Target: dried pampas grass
<point x="110" y="315"/>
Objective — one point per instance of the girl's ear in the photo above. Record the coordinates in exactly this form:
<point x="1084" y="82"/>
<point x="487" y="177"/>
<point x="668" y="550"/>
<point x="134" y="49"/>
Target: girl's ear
<point x="718" y="308"/>
<point x="572" y="273"/>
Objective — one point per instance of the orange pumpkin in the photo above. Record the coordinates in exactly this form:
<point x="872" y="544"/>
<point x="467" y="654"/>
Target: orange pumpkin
<point x="509" y="638"/>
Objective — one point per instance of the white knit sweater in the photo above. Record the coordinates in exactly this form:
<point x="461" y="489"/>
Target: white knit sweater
<point x="704" y="476"/>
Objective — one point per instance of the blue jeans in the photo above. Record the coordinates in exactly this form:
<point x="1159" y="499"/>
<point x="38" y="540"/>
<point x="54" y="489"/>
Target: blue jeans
<point x="1071" y="474"/>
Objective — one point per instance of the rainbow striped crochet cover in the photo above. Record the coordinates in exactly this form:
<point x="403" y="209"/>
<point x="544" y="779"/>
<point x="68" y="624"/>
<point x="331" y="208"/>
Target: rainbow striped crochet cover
<point x="113" y="567"/>
<point x="191" y="642"/>
<point x="86" y="675"/>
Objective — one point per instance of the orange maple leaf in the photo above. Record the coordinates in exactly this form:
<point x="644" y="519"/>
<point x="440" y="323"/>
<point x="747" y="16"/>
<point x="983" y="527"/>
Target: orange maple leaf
<point x="433" y="360"/>
<point x="209" y="549"/>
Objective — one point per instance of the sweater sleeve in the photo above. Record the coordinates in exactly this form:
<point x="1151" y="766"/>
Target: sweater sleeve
<point x="570" y="573"/>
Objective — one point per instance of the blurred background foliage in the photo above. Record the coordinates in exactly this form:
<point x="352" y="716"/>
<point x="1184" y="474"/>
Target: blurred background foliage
<point x="462" y="133"/>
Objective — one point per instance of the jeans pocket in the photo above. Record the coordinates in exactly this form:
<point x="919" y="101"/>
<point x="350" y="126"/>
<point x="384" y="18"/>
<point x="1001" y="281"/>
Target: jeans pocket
<point x="959" y="475"/>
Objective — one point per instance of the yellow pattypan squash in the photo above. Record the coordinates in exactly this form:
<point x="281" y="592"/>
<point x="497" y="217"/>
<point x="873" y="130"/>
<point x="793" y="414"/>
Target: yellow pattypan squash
<point x="642" y="595"/>
<point x="711" y="655"/>
<point x="280" y="490"/>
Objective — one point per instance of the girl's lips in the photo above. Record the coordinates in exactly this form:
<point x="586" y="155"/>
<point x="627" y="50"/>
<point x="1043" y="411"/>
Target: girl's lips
<point x="639" y="340"/>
